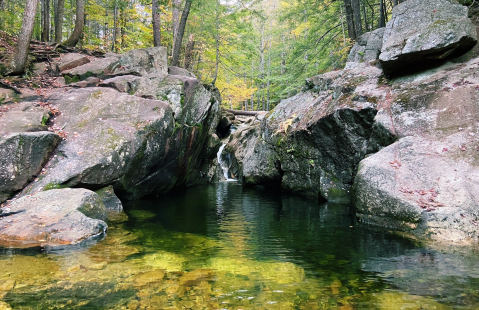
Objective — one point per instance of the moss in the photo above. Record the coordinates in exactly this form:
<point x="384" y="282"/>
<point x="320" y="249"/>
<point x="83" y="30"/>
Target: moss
<point x="382" y="80"/>
<point x="182" y="101"/>
<point x="45" y="120"/>
<point x="21" y="140"/>
<point x="82" y="124"/>
<point x="50" y="186"/>
<point x="97" y="94"/>
<point x="177" y="127"/>
<point x="71" y="79"/>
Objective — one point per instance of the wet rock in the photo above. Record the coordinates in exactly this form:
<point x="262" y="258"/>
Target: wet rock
<point x="62" y="216"/>
<point x="70" y="61"/>
<point x="252" y="159"/>
<point x="111" y="202"/>
<point x="425" y="31"/>
<point x="366" y="50"/>
<point x="22" y="156"/>
<point x="227" y="119"/>
<point x="147" y="278"/>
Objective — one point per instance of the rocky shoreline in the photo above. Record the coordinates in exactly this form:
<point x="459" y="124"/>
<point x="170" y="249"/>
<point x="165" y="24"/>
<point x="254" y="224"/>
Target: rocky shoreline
<point x="404" y="150"/>
<point x="396" y="133"/>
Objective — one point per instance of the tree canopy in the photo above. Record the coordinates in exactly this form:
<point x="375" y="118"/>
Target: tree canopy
<point x="256" y="52"/>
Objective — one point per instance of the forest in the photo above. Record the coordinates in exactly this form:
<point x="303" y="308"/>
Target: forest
<point x="256" y="52"/>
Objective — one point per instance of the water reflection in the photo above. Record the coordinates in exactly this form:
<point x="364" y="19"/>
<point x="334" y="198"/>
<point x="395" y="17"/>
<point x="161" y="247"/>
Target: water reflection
<point x="226" y="247"/>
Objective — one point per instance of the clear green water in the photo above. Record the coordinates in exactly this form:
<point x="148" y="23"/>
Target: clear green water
<point x="225" y="247"/>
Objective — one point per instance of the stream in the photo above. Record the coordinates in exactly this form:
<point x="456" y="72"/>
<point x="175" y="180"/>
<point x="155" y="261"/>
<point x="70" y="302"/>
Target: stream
<point x="228" y="247"/>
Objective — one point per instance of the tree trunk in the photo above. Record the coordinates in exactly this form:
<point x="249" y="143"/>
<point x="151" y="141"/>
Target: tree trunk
<point x="115" y="28"/>
<point x="357" y="17"/>
<point x="175" y="19"/>
<point x="246" y="113"/>
<point x="350" y="19"/>
<point x="2" y="9"/>
<point x="77" y="32"/>
<point x="269" y="78"/>
<point x="21" y="50"/>
<point x="217" y="64"/>
<point x="181" y="32"/>
<point x="59" y="11"/>
<point x="189" y="54"/>
<point x="122" y="27"/>
<point x="46" y="21"/>
<point x="155" y="8"/>
<point x="382" y="14"/>
<point x="363" y="10"/>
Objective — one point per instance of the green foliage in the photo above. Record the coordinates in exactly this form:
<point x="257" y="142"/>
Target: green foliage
<point x="262" y="49"/>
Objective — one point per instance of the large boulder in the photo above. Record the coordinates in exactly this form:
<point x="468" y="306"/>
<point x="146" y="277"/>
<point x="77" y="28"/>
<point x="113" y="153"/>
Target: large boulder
<point x="145" y="61"/>
<point x="133" y="143"/>
<point x="110" y="200"/>
<point x="22" y="157"/>
<point x="23" y="117"/>
<point x="108" y="135"/>
<point x="99" y="67"/>
<point x="55" y="217"/>
<point x="311" y="143"/>
<point x="70" y="61"/>
<point x="417" y="187"/>
<point x="426" y="184"/>
<point x="366" y="50"/>
<point x="425" y="31"/>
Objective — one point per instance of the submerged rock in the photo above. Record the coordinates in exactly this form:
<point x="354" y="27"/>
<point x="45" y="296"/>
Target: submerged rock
<point x="425" y="31"/>
<point x="55" y="217"/>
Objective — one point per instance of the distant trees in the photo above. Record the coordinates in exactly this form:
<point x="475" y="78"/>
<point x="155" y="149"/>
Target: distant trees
<point x="255" y="51"/>
<point x="366" y="14"/>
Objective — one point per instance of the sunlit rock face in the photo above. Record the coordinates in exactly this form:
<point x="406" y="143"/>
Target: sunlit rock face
<point x="427" y="183"/>
<point x="421" y="32"/>
<point x="55" y="217"/>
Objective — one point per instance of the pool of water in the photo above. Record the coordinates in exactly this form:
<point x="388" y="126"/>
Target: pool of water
<point x="227" y="247"/>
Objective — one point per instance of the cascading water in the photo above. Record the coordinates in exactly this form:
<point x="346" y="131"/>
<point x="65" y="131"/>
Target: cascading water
<point x="223" y="164"/>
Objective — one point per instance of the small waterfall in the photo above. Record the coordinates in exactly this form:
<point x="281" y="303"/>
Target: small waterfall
<point x="223" y="164"/>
